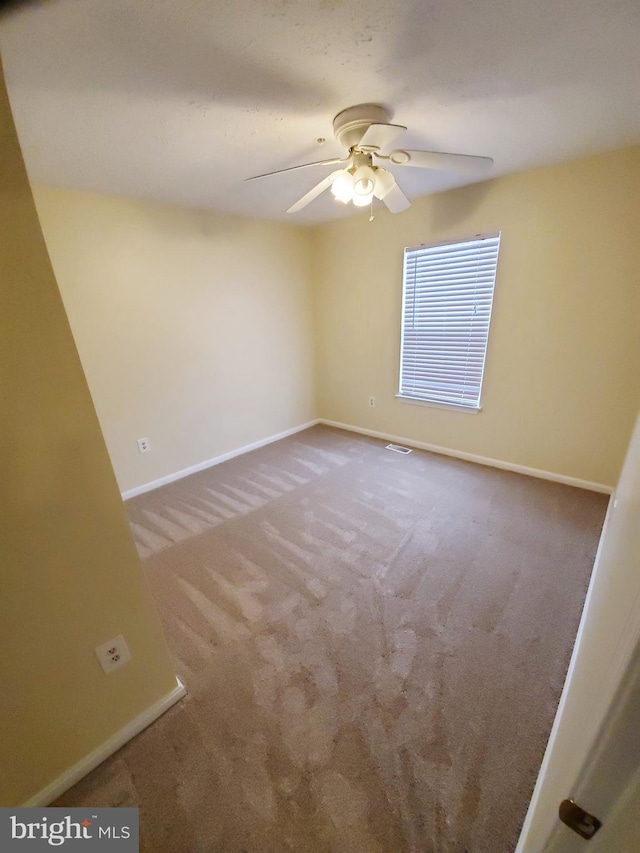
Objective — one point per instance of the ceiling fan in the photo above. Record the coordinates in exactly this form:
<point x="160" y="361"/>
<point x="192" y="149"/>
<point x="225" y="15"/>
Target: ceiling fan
<point x="365" y="130"/>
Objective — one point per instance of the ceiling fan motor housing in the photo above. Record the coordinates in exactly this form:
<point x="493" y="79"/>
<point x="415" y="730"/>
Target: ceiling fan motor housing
<point x="350" y="125"/>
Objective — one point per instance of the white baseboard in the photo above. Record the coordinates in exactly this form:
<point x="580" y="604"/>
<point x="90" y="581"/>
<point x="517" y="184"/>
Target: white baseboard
<point x="422" y="445"/>
<point x="472" y="457"/>
<point x="90" y="762"/>
<point x="209" y="463"/>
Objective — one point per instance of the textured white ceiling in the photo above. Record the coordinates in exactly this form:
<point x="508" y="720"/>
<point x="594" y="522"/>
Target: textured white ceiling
<point x="180" y="100"/>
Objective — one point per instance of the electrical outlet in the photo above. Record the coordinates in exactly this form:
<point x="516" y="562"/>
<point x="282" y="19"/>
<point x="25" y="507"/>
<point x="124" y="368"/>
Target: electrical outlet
<point x="372" y="401"/>
<point x="113" y="653"/>
<point x="144" y="445"/>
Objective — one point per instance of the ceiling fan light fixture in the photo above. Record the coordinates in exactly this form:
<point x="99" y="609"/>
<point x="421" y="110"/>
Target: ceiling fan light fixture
<point x="362" y="200"/>
<point x="385" y="182"/>
<point x="364" y="181"/>
<point x="342" y="187"/>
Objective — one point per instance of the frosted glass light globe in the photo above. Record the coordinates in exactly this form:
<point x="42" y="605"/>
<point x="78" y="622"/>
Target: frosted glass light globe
<point x="342" y="187"/>
<point x="385" y="182"/>
<point x="364" y="181"/>
<point x="362" y="200"/>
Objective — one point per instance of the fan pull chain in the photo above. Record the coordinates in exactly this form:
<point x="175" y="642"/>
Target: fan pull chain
<point x="371" y="216"/>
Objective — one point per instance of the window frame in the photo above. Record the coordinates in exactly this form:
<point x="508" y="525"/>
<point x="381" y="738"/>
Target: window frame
<point x="474" y="406"/>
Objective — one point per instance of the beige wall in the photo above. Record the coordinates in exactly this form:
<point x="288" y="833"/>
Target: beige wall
<point x="562" y="378"/>
<point x="194" y="328"/>
<point x="69" y="574"/>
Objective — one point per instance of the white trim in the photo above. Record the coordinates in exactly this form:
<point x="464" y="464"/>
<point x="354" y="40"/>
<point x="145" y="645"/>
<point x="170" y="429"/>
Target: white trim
<point x="579" y="757"/>
<point x="106" y="749"/>
<point x="209" y="463"/>
<point x="452" y="407"/>
<point x="490" y="235"/>
<point x="473" y="457"/>
<point x="586" y="623"/>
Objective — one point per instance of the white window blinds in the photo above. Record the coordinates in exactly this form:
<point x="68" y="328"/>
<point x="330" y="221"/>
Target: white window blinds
<point x="447" y="298"/>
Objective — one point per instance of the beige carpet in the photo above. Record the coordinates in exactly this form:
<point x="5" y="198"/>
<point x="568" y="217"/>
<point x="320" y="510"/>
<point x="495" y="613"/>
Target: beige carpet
<point x="374" y="646"/>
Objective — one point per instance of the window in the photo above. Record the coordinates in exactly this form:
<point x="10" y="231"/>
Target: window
<point x="446" y="309"/>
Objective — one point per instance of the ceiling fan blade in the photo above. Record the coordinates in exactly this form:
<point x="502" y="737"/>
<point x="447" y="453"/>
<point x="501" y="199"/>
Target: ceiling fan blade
<point x="381" y="135"/>
<point x="303" y="166"/>
<point x="440" y="160"/>
<point x="395" y="200"/>
<point x="314" y="192"/>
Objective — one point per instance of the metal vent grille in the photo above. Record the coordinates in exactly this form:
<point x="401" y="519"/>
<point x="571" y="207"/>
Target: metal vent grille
<point x="398" y="448"/>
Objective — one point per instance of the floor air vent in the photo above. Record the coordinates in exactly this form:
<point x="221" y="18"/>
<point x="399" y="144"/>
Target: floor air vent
<point x="398" y="448"/>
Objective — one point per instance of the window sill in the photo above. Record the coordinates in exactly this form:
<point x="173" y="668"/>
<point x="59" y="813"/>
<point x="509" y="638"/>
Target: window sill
<point x="432" y="405"/>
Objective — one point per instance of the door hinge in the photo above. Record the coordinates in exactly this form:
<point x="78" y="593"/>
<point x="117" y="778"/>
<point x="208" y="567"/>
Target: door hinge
<point x="577" y="819"/>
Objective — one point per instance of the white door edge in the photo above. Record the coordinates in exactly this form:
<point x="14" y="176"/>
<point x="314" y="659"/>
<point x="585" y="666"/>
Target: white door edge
<point x="608" y="634"/>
